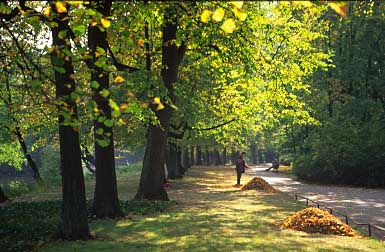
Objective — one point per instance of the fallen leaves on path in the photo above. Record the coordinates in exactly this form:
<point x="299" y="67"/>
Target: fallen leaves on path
<point x="315" y="220"/>
<point x="258" y="183"/>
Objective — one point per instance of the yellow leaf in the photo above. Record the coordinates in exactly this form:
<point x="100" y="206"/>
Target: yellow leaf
<point x="156" y="100"/>
<point x="76" y="3"/>
<point x="228" y="26"/>
<point x="120" y="122"/>
<point x="160" y="106"/>
<point x="237" y="4"/>
<point x="340" y="8"/>
<point x="51" y="49"/>
<point x="119" y="79"/>
<point x="60" y="7"/>
<point x="105" y="22"/>
<point x="140" y="43"/>
<point x="239" y="14"/>
<point x="47" y="12"/>
<point x="218" y="15"/>
<point x="205" y="16"/>
<point x="93" y="23"/>
<point x="307" y="4"/>
<point x="123" y="107"/>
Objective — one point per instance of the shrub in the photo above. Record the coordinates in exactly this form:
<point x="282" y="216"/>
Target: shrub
<point x="344" y="152"/>
<point x="28" y="225"/>
<point x="50" y="164"/>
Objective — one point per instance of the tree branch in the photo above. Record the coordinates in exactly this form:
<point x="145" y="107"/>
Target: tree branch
<point x="213" y="127"/>
<point x="118" y="65"/>
<point x="181" y="52"/>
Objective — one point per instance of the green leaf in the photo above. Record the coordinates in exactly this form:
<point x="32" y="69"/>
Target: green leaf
<point x="115" y="113"/>
<point x="108" y="123"/>
<point x="79" y="29"/>
<point x="104" y="93"/>
<point x="113" y="104"/>
<point x="62" y="34"/>
<point x="60" y="69"/>
<point x="103" y="142"/>
<point x="102" y="119"/>
<point x="95" y="84"/>
<point x="99" y="131"/>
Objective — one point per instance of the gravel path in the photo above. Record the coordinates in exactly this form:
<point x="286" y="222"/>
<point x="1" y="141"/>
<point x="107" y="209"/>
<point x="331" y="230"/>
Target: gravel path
<point x="362" y="205"/>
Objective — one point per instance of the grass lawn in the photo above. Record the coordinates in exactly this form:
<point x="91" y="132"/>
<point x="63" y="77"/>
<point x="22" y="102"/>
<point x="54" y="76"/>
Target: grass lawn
<point x="211" y="215"/>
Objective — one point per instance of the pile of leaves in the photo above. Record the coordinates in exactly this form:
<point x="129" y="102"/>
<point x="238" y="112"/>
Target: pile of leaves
<point x="25" y="226"/>
<point x="258" y="183"/>
<point x="315" y="220"/>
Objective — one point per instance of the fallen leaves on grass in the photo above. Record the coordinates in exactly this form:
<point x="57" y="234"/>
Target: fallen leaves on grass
<point x="258" y="183"/>
<point x="315" y="220"/>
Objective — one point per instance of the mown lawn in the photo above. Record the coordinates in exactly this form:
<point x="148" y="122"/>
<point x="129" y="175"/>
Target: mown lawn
<point x="211" y="215"/>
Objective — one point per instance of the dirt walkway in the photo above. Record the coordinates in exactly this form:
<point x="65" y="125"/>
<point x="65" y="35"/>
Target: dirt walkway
<point x="360" y="204"/>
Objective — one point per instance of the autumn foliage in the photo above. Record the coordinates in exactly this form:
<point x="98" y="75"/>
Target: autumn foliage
<point x="315" y="220"/>
<point x="258" y="183"/>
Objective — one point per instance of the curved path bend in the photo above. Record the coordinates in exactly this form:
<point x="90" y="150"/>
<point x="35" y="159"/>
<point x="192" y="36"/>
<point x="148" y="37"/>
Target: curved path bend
<point x="362" y="205"/>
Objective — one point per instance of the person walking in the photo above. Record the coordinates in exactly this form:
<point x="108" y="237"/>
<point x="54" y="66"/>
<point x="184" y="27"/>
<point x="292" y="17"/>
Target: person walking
<point x="240" y="167"/>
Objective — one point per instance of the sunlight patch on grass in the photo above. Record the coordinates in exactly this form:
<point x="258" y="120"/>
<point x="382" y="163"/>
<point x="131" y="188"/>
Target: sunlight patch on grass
<point x="212" y="216"/>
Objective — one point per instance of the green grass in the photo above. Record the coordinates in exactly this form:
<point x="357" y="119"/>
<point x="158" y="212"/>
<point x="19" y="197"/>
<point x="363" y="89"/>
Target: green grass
<point x="211" y="215"/>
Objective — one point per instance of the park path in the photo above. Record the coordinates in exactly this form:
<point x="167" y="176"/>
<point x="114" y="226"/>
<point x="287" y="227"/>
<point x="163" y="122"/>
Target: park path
<point x="360" y="204"/>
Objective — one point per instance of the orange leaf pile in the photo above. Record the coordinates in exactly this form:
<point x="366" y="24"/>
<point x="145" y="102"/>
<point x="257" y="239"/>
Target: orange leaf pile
<point x="258" y="183"/>
<point x="315" y="220"/>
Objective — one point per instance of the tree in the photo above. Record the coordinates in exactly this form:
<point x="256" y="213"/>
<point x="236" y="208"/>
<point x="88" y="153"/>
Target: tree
<point x="152" y="176"/>
<point x="3" y="197"/>
<point x="74" y="223"/>
<point x="106" y="201"/>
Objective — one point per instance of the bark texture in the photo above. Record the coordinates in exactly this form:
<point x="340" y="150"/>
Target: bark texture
<point x="74" y="222"/>
<point x="198" y="160"/>
<point x="153" y="172"/>
<point x="106" y="200"/>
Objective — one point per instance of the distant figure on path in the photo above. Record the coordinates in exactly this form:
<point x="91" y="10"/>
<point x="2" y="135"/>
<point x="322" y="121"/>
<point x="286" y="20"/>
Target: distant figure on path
<point x="274" y="166"/>
<point x="240" y="167"/>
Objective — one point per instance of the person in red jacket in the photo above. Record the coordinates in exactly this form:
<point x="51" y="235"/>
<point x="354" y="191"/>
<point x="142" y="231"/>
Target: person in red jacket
<point x="240" y="167"/>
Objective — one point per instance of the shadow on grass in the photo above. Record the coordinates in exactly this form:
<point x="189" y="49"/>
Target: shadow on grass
<point x="212" y="215"/>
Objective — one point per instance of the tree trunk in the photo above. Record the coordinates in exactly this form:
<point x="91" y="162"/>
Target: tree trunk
<point x="217" y="158"/>
<point x="153" y="173"/>
<point x="74" y="222"/>
<point x="20" y="138"/>
<point x="186" y="158"/>
<point x="180" y="166"/>
<point x="207" y="155"/>
<point x="260" y="156"/>
<point x="192" y="162"/>
<point x="152" y="176"/>
<point x="3" y="198"/>
<point x="198" y="160"/>
<point x="234" y="156"/>
<point x="173" y="162"/>
<point x="253" y="152"/>
<point x="224" y="156"/>
<point x="106" y="201"/>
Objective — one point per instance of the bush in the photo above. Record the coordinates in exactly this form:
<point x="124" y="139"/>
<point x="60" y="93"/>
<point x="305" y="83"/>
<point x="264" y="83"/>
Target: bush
<point x="286" y="159"/>
<point x="344" y="152"/>
<point x="17" y="188"/>
<point x="50" y="164"/>
<point x="28" y="225"/>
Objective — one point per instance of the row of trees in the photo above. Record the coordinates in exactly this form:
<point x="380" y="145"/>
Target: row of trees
<point x="347" y="146"/>
<point x="149" y="74"/>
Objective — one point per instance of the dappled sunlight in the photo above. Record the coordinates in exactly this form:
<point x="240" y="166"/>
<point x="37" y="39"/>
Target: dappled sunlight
<point x="211" y="215"/>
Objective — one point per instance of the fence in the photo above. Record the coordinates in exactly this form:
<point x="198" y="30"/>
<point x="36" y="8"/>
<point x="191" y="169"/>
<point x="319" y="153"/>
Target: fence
<point x="370" y="229"/>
